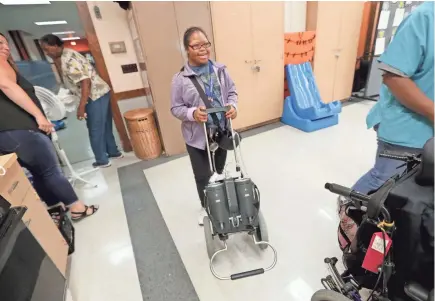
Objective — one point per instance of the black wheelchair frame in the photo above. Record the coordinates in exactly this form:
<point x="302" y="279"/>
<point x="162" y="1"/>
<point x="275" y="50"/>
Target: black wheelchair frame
<point x="346" y="287"/>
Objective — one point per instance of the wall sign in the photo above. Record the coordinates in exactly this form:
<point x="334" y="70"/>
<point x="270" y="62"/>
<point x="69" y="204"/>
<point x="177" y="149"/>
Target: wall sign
<point x="117" y="47"/>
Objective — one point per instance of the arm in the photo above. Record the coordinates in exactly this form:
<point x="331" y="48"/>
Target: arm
<point x="409" y="95"/>
<point x="232" y="92"/>
<point x="15" y="93"/>
<point x="86" y="91"/>
<point x="232" y="96"/>
<point x="178" y="107"/>
<point x="79" y="74"/>
<point x="403" y="59"/>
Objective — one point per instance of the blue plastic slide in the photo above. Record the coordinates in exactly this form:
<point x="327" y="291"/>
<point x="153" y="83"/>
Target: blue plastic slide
<point x="304" y="92"/>
<point x="304" y="109"/>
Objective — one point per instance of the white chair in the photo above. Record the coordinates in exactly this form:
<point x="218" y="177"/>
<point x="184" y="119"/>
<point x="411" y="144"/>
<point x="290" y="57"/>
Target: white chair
<point x="55" y="110"/>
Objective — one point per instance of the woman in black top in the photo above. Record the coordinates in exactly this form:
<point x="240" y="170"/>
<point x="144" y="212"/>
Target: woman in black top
<point x="24" y="130"/>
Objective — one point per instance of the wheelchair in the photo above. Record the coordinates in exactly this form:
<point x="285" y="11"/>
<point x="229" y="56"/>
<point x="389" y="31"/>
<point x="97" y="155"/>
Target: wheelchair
<point x="392" y="254"/>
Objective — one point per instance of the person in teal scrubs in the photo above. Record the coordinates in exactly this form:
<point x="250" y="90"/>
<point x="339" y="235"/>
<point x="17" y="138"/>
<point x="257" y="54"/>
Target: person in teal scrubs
<point x="404" y="115"/>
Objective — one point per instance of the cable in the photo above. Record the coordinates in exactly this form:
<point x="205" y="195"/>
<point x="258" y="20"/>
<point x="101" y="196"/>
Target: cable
<point x="243" y="167"/>
<point x="214" y="161"/>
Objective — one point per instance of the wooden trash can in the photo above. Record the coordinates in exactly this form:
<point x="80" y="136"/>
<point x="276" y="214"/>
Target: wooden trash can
<point x="143" y="133"/>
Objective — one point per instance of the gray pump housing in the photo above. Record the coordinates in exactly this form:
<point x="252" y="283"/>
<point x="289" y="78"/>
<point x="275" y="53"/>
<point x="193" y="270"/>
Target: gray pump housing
<point x="233" y="205"/>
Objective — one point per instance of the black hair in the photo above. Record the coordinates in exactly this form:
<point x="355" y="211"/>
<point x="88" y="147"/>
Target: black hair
<point x="52" y="40"/>
<point x="1" y="34"/>
<point x="188" y="33"/>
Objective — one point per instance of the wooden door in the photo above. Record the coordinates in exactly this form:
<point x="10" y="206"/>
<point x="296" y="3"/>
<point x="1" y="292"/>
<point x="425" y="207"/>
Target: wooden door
<point x="268" y="47"/>
<point x="157" y="27"/>
<point x="351" y="19"/>
<point x="327" y="41"/>
<point x="233" y="46"/>
<point x="194" y="13"/>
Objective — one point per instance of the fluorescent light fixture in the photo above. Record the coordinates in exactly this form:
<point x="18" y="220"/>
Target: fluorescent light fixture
<point x="51" y="23"/>
<point x="23" y="2"/>
<point x="70" y="39"/>
<point x="63" y="32"/>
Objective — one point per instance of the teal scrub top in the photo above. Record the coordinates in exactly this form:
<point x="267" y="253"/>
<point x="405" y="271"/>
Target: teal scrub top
<point x="410" y="54"/>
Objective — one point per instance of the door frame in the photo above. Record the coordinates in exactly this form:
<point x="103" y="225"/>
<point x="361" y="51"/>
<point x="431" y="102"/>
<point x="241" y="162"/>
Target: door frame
<point x="95" y="49"/>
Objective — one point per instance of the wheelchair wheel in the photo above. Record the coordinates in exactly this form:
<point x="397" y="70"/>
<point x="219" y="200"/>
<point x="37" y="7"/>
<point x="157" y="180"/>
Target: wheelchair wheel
<point x="328" y="295"/>
<point x="261" y="233"/>
<point x="210" y="240"/>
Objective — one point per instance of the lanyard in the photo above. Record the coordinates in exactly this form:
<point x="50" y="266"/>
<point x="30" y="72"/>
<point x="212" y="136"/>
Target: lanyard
<point x="209" y="89"/>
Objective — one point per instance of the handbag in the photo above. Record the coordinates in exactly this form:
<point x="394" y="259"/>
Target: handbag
<point x="65" y="226"/>
<point x="223" y="137"/>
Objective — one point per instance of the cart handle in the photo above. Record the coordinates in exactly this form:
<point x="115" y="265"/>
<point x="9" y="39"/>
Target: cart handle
<point x="247" y="274"/>
<point x="218" y="110"/>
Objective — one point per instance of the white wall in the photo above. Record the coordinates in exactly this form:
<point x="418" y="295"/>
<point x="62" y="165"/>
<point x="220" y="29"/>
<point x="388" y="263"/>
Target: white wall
<point x="113" y="27"/>
<point x="295" y="16"/>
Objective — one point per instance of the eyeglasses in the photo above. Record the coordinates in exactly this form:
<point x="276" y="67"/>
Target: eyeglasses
<point x="199" y="46"/>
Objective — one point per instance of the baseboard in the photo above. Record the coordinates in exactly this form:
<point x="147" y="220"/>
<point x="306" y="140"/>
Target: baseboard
<point x="275" y="120"/>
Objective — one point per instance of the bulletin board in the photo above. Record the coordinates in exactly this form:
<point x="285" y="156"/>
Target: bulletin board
<point x="391" y="15"/>
<point x="298" y="48"/>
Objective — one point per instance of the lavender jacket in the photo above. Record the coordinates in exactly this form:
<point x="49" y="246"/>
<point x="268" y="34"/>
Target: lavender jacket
<point x="185" y="100"/>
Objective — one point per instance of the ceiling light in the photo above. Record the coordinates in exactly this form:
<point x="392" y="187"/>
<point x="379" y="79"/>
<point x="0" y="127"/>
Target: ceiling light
<point x="63" y="32"/>
<point x="70" y="39"/>
<point x="73" y="43"/>
<point x="51" y="23"/>
<point x="23" y="2"/>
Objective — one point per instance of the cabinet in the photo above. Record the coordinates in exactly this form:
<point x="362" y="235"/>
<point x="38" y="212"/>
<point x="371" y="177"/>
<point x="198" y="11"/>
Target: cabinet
<point x="16" y="189"/>
<point x="160" y="27"/>
<point x="337" y="26"/>
<point x="250" y="43"/>
<point x="245" y="38"/>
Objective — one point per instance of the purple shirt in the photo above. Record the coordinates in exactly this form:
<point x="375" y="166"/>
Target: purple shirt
<point x="185" y="99"/>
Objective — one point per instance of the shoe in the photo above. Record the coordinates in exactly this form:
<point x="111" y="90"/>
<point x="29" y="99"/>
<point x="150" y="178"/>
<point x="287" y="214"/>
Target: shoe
<point x="201" y="216"/>
<point x="216" y="177"/>
<point x="119" y="156"/>
<point x="98" y="165"/>
<point x="78" y="216"/>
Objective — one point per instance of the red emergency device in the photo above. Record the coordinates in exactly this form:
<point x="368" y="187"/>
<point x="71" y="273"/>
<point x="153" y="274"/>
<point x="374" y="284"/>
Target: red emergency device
<point x="375" y="252"/>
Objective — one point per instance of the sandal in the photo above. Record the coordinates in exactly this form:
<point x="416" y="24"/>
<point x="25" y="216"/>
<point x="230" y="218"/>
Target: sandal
<point x="84" y="214"/>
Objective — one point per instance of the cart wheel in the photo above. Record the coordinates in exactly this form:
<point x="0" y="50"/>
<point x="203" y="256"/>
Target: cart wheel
<point x="210" y="240"/>
<point x="328" y="295"/>
<point x="261" y="232"/>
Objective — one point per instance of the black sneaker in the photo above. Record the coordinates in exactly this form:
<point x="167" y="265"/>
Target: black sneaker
<point x="98" y="165"/>
<point x="119" y="156"/>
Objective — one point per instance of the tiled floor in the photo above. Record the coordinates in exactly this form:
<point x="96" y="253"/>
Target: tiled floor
<point x="103" y="266"/>
<point x="290" y="168"/>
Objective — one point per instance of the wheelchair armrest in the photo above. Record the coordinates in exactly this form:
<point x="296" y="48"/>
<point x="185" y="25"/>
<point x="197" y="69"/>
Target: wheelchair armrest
<point x="417" y="293"/>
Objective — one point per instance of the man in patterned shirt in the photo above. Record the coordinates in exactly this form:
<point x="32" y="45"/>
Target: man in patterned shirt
<point x="81" y="78"/>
